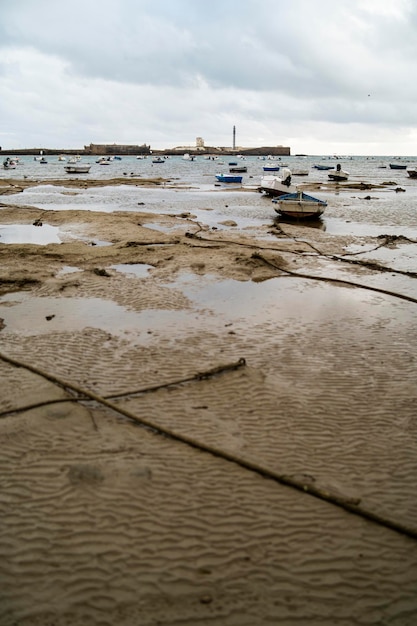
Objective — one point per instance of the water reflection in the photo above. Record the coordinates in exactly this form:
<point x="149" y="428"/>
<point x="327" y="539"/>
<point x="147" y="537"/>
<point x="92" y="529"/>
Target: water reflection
<point x="25" y="233"/>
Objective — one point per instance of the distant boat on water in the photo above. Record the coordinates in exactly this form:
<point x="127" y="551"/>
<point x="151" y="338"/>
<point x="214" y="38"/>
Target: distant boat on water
<point x="397" y="166"/>
<point x="77" y="168"/>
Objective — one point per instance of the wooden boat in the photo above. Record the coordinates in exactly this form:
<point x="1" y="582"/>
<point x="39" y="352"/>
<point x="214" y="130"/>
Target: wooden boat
<point x="299" y="205"/>
<point x="412" y="173"/>
<point x="397" y="166"/>
<point x="228" y="178"/>
<point x="77" y="168"/>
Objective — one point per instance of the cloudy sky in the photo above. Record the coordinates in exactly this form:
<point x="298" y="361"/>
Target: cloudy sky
<point x="320" y="76"/>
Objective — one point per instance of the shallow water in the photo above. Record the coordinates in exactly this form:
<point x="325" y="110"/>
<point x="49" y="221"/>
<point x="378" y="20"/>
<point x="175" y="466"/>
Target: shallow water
<point x="25" y="233"/>
<point x="349" y="211"/>
<point x="213" y="303"/>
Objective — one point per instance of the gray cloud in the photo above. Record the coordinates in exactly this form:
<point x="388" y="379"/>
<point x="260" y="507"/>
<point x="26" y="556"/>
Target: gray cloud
<point x="97" y="66"/>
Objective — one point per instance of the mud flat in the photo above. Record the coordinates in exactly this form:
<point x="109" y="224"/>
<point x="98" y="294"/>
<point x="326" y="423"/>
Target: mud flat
<point x="205" y="423"/>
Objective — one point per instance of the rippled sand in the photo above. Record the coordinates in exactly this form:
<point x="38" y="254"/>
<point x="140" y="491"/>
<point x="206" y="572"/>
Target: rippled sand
<point x="107" y="522"/>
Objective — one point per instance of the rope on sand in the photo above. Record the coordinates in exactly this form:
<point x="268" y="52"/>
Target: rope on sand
<point x="347" y="504"/>
<point x="257" y="255"/>
<point x="214" y="371"/>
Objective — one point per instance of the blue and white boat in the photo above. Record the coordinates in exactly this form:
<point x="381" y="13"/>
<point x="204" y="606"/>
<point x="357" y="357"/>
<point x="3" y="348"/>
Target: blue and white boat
<point x="273" y="167"/>
<point x="299" y="205"/>
<point x="228" y="178"/>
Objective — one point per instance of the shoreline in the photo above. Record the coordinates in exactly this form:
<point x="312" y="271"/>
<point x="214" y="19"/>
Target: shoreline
<point x="110" y="522"/>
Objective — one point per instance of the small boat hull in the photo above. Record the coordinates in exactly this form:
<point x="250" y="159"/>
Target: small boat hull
<point x="412" y="173"/>
<point x="299" y="205"/>
<point x="338" y="175"/>
<point x="275" y="187"/>
<point x="397" y="166"/>
<point x="77" y="169"/>
<point x="228" y="178"/>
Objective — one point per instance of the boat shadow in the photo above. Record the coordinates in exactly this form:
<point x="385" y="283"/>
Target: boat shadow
<point x="310" y="222"/>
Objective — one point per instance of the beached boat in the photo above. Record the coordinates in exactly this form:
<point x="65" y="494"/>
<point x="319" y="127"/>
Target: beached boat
<point x="277" y="186"/>
<point x="238" y="168"/>
<point x="77" y="168"/>
<point x="299" y="205"/>
<point x="397" y="166"/>
<point x="412" y="172"/>
<point x="338" y="174"/>
<point x="228" y="178"/>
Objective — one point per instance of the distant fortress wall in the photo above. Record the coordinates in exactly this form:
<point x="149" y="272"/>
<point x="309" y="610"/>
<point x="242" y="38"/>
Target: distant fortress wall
<point x="95" y="148"/>
<point x="123" y="149"/>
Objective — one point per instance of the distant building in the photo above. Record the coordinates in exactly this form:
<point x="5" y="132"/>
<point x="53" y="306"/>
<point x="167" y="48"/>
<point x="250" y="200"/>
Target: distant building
<point x="199" y="142"/>
<point x="95" y="148"/>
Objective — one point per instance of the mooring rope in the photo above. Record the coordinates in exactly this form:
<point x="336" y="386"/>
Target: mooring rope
<point x="346" y="504"/>
<point x="327" y="279"/>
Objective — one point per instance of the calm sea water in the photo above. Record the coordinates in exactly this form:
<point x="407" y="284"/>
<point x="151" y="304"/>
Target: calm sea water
<point x="202" y="171"/>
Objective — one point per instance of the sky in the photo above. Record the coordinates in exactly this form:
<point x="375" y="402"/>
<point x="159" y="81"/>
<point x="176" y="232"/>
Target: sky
<point x="318" y="76"/>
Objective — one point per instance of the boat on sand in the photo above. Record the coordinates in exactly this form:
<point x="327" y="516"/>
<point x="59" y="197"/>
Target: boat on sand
<point x="299" y="205"/>
<point x="273" y="185"/>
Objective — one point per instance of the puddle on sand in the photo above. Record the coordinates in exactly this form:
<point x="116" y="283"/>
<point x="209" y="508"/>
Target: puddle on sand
<point x="402" y="257"/>
<point x="162" y="227"/>
<point x="139" y="270"/>
<point x="68" y="269"/>
<point x="29" y="316"/>
<point x="27" y="233"/>
<point x="280" y="305"/>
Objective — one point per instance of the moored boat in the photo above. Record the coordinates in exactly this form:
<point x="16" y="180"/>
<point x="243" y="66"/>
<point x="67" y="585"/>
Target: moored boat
<point x="412" y="172"/>
<point x="9" y="164"/>
<point x="277" y="185"/>
<point x="338" y="174"/>
<point x="299" y="205"/>
<point x="273" y="167"/>
<point x="238" y="168"/>
<point x="228" y="178"/>
<point x="397" y="166"/>
<point x="77" y="168"/>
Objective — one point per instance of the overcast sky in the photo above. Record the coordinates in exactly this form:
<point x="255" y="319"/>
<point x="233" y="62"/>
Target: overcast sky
<point x="319" y="76"/>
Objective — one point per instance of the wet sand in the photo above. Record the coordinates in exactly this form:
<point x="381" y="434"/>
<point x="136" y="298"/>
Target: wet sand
<point x="233" y="444"/>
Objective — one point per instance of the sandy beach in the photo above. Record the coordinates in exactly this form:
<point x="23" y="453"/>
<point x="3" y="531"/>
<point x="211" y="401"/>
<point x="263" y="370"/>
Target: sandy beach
<point x="204" y="424"/>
